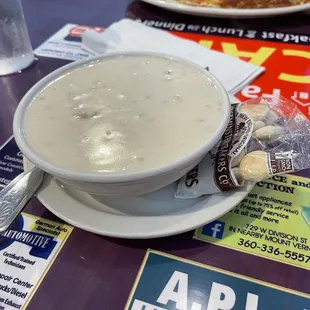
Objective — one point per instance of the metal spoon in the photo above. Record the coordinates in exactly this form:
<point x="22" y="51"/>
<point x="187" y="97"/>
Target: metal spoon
<point x="15" y="196"/>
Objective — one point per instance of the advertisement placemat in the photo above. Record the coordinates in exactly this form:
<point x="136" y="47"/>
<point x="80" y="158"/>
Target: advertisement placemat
<point x="272" y="222"/>
<point x="167" y="282"/>
<point x="65" y="43"/>
<point x="11" y="162"/>
<point x="27" y="251"/>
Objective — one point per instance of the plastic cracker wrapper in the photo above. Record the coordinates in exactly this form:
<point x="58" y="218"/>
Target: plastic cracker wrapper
<point x="264" y="137"/>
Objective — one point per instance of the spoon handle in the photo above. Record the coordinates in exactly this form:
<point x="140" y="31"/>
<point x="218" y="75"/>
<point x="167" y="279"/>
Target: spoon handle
<point x="15" y="196"/>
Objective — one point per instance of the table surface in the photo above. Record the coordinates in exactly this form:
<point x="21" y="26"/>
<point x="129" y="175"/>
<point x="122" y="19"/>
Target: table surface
<point x="95" y="272"/>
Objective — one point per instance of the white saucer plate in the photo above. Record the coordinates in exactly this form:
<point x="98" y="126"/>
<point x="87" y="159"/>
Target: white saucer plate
<point x="157" y="214"/>
<point x="173" y="5"/>
<point x="152" y="215"/>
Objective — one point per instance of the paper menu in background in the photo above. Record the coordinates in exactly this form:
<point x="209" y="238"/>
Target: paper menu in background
<point x="27" y="251"/>
<point x="66" y="43"/>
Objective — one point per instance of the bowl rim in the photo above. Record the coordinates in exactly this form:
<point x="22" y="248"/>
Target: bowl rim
<point x="112" y="177"/>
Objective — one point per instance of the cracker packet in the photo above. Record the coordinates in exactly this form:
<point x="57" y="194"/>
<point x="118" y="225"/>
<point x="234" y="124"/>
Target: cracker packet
<point x="264" y="137"/>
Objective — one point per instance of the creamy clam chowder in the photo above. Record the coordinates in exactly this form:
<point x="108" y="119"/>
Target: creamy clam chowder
<point x="125" y="113"/>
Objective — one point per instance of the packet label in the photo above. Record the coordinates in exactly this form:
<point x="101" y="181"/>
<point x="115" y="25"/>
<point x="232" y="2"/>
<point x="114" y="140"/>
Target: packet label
<point x="279" y="163"/>
<point x="234" y="141"/>
<point x="222" y="175"/>
<point x="215" y="172"/>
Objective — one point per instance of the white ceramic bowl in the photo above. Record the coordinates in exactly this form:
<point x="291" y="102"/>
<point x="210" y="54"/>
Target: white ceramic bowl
<point x="116" y="183"/>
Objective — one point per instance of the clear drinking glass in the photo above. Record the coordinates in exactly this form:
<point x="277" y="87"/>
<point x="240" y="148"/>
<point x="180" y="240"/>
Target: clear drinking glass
<point x="15" y="48"/>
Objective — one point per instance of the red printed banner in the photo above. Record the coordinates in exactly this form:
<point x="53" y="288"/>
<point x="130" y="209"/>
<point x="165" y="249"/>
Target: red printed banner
<point x="287" y="66"/>
<point x="286" y="57"/>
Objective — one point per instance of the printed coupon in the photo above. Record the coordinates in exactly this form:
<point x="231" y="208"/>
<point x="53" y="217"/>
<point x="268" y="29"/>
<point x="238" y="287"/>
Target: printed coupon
<point x="27" y="250"/>
<point x="273" y="222"/>
<point x="66" y="43"/>
<point x="11" y="162"/>
<point x="167" y="282"/>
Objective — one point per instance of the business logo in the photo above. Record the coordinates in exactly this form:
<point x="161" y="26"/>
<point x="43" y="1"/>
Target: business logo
<point x="40" y="245"/>
<point x="214" y="229"/>
<point x="75" y="33"/>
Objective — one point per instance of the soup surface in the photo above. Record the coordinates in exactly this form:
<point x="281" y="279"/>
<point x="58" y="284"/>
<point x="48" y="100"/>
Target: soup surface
<point x="127" y="113"/>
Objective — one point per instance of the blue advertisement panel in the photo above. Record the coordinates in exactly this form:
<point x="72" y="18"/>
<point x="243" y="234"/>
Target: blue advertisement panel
<point x="167" y="282"/>
<point x="11" y="162"/>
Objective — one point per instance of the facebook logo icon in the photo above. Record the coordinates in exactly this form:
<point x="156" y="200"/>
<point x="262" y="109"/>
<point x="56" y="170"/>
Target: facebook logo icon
<point x="214" y="229"/>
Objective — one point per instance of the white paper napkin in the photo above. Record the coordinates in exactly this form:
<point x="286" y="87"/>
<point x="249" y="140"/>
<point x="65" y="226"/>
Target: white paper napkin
<point x="128" y="35"/>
